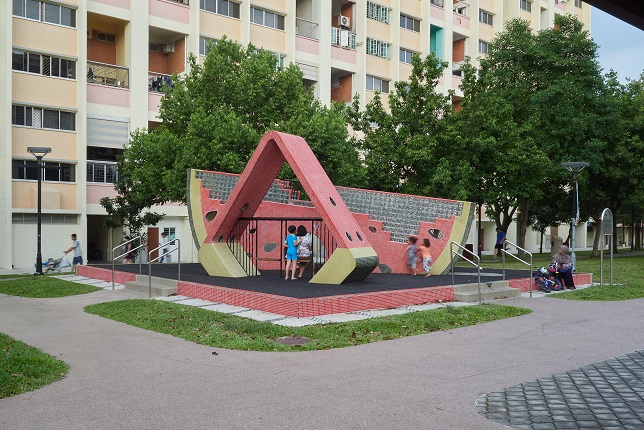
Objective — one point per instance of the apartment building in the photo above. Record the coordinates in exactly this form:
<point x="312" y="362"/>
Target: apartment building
<point x="79" y="75"/>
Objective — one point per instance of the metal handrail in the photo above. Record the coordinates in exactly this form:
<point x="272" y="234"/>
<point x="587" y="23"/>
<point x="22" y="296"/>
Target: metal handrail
<point x="517" y="258"/>
<point x="143" y="245"/>
<point x="161" y="256"/>
<point x="478" y="266"/>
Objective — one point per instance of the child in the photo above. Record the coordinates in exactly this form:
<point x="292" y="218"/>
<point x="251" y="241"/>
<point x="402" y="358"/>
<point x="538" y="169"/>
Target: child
<point x="291" y="244"/>
<point x="410" y="252"/>
<point x="427" y="257"/>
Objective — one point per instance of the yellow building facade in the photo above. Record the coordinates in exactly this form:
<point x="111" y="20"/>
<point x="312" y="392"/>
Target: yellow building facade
<point x="79" y="76"/>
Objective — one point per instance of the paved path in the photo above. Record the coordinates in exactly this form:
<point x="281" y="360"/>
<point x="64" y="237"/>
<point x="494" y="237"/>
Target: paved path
<point x="123" y="377"/>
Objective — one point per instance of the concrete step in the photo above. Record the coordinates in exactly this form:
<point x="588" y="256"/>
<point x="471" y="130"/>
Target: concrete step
<point x="160" y="286"/>
<point x="156" y="281"/>
<point x="468" y="293"/>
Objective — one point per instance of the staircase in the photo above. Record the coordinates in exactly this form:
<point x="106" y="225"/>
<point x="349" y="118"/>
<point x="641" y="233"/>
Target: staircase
<point x="468" y="293"/>
<point x="160" y="286"/>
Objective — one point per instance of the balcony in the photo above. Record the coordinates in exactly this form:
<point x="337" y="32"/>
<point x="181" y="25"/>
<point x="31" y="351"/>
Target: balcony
<point x="307" y="28"/>
<point x="343" y="38"/>
<point x="101" y="172"/>
<point x="108" y="74"/>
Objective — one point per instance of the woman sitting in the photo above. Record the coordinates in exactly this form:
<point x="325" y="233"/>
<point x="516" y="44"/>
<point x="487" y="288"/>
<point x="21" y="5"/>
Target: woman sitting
<point x="564" y="267"/>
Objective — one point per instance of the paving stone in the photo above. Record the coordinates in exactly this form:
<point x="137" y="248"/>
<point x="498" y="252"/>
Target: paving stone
<point x="604" y="395"/>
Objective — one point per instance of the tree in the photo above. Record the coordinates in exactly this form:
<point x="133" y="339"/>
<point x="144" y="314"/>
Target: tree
<point x="399" y="145"/>
<point x="214" y="117"/>
<point x="531" y="104"/>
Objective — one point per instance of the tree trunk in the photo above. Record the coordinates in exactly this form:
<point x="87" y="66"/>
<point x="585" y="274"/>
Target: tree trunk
<point x="522" y="225"/>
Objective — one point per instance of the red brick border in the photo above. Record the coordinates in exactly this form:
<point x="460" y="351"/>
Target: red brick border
<point x="303" y="308"/>
<point x="105" y="274"/>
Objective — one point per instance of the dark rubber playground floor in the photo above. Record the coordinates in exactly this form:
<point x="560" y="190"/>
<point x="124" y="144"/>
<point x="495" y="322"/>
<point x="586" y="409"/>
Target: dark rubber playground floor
<point x="270" y="282"/>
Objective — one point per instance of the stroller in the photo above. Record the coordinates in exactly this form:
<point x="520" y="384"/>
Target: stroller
<point x="545" y="280"/>
<point x="56" y="265"/>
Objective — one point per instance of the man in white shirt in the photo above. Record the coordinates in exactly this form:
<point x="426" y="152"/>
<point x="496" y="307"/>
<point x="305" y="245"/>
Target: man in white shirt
<point x="165" y="242"/>
<point x="78" y="253"/>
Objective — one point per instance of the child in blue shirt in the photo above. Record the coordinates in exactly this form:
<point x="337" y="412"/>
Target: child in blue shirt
<point x="291" y="244"/>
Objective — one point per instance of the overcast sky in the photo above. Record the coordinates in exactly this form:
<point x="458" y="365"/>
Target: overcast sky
<point x="621" y="46"/>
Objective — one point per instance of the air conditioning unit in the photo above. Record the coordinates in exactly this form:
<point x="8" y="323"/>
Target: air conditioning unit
<point x="168" y="48"/>
<point x="344" y="21"/>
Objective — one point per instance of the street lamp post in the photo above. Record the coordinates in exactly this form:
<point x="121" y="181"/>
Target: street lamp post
<point x="574" y="167"/>
<point x="39" y="153"/>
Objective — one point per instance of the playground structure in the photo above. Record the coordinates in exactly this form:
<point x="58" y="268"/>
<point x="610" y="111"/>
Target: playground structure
<point x="238" y="221"/>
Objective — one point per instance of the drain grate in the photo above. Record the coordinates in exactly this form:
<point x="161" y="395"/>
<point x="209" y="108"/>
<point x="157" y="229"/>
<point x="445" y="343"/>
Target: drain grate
<point x="292" y="340"/>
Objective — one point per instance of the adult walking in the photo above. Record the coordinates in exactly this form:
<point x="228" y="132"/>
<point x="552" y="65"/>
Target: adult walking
<point x="78" y="253"/>
<point x="498" y="246"/>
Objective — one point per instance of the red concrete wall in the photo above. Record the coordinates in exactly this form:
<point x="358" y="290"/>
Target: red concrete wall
<point x="170" y="63"/>
<point x="344" y="92"/>
<point x="458" y="50"/>
<point x="303" y="308"/>
<point x="105" y="274"/>
<point x="100" y="51"/>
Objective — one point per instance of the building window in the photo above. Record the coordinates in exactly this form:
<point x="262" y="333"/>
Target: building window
<point x="486" y="17"/>
<point x="220" y="7"/>
<point x="409" y="23"/>
<point x="22" y="218"/>
<point x="343" y="38"/>
<point x="378" y="12"/>
<point x="43" y="118"/>
<point x="377" y="84"/>
<point x="45" y="12"/>
<point x="525" y="5"/>
<point x="460" y="9"/>
<point x="101" y="172"/>
<point x="377" y="47"/>
<point x="52" y="171"/>
<point x="406" y="56"/>
<point x="578" y="3"/>
<point x="104" y="37"/>
<point x="484" y="47"/>
<point x="439" y="3"/>
<point x="205" y="44"/>
<point x="45" y="65"/>
<point x="170" y="234"/>
<point x="266" y="18"/>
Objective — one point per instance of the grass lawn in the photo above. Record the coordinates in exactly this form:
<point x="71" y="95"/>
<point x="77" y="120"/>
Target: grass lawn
<point x="40" y="286"/>
<point x="628" y="275"/>
<point x="24" y="368"/>
<point x="233" y="332"/>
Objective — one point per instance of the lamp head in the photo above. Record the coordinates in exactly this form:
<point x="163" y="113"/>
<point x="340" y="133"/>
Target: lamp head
<point x="38" y="151"/>
<point x="574" y="166"/>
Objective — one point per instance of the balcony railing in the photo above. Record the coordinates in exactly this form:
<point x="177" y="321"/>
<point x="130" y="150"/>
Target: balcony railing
<point x="156" y="81"/>
<point x="108" y="74"/>
<point x="186" y="2"/>
<point x="457" y="67"/>
<point x="102" y="172"/>
<point x="307" y="28"/>
<point x="343" y="38"/>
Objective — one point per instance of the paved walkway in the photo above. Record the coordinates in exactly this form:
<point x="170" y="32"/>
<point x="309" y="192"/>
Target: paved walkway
<point x="123" y="377"/>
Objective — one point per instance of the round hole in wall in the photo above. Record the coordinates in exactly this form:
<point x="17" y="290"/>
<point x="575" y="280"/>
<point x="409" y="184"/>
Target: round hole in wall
<point x="221" y="238"/>
<point x="359" y="236"/>
<point x="332" y="201"/>
<point x="372" y="229"/>
<point x="435" y="233"/>
<point x="211" y="215"/>
<point x="349" y="236"/>
<point x="252" y="230"/>
<point x="244" y="208"/>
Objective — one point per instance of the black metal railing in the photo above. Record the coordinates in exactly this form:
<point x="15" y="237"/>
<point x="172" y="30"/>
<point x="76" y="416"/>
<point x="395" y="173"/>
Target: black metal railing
<point x="255" y="239"/>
